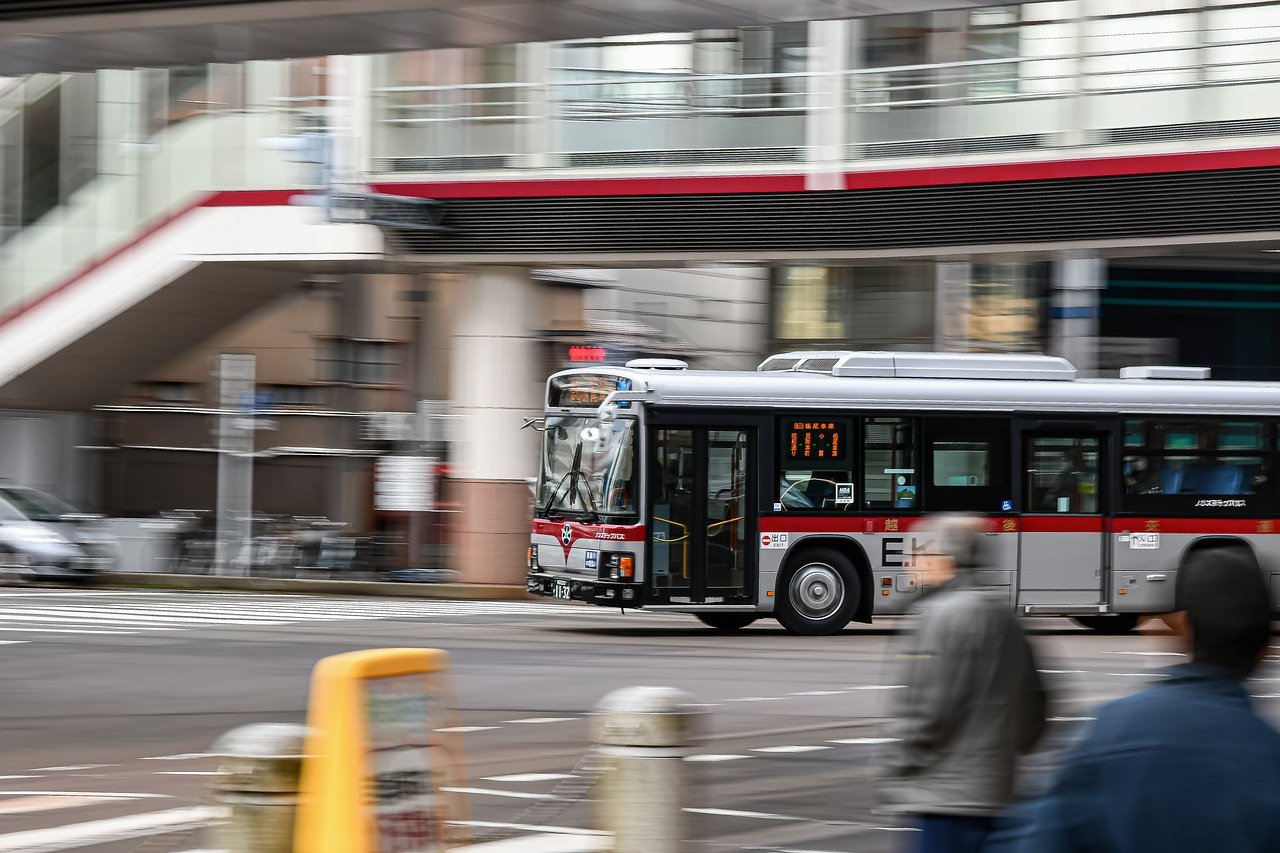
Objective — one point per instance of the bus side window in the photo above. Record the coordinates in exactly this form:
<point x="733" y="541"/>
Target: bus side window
<point x="815" y="472"/>
<point x="890" y="472"/>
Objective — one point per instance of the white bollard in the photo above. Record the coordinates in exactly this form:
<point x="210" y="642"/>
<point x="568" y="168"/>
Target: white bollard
<point x="258" y="785"/>
<point x="643" y="734"/>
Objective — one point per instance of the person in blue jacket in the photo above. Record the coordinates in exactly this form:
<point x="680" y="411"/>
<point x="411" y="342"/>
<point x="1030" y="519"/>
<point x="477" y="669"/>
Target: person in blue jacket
<point x="1186" y="765"/>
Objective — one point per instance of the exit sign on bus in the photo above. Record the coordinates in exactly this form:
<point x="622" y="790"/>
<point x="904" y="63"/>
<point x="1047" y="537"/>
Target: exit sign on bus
<point x="579" y="354"/>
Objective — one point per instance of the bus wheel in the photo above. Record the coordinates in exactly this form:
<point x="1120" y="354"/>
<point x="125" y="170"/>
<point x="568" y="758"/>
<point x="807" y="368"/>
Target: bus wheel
<point x="726" y="621"/>
<point x="820" y="595"/>
<point x="1115" y="623"/>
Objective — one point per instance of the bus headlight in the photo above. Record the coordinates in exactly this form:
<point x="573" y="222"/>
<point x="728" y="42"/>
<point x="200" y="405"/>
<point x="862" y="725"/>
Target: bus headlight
<point x="617" y="565"/>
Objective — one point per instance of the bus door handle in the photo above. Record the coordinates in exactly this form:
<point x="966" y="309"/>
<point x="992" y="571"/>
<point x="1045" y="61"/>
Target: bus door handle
<point x="1157" y="577"/>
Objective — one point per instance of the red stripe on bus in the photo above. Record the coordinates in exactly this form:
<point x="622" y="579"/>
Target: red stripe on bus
<point x="1202" y="526"/>
<point x="863" y="524"/>
<point x="604" y="532"/>
<point x="1061" y="524"/>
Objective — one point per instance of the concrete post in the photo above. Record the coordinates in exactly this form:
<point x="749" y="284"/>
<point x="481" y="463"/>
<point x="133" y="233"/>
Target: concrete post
<point x="258" y="785"/>
<point x="1075" y="308"/>
<point x="643" y="733"/>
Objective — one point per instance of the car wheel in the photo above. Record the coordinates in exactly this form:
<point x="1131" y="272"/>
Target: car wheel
<point x="819" y="593"/>
<point x="726" y="622"/>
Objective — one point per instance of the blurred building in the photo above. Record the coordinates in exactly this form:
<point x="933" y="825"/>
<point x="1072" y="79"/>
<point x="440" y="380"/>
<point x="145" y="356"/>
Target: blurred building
<point x="1090" y="178"/>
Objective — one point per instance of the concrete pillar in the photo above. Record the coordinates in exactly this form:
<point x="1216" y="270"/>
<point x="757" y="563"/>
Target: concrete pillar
<point x="825" y="105"/>
<point x="951" y="306"/>
<point x="536" y="138"/>
<point x="496" y="378"/>
<point x="1074" y="309"/>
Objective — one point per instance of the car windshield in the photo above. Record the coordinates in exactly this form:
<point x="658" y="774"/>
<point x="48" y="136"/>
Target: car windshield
<point x="587" y="477"/>
<point x="36" y="506"/>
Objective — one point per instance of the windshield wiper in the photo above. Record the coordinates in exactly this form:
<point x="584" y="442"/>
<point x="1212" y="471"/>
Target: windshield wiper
<point x="579" y="484"/>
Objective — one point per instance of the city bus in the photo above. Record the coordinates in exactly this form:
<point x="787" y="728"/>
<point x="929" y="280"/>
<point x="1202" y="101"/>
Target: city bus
<point x="796" y="491"/>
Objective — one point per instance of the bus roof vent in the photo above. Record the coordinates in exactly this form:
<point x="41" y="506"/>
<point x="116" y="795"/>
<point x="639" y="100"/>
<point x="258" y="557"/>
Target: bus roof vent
<point x="1156" y="371"/>
<point x="657" y="364"/>
<point x="813" y="361"/>
<point x="955" y="365"/>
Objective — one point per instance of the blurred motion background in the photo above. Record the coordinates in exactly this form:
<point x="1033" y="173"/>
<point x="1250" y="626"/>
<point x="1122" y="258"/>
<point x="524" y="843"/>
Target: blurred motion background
<point x="1093" y="179"/>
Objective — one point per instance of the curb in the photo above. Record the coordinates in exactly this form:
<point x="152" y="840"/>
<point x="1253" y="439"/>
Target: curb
<point x="457" y="591"/>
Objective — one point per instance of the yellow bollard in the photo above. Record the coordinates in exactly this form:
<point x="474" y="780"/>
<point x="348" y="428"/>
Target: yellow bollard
<point x="375" y="758"/>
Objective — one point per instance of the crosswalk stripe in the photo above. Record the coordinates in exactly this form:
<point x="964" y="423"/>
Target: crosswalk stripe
<point x="57" y="616"/>
<point x="104" y="831"/>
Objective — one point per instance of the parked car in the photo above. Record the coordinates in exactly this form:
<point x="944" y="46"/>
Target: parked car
<point x="44" y="536"/>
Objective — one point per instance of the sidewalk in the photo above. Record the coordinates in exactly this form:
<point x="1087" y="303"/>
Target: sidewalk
<point x="164" y="580"/>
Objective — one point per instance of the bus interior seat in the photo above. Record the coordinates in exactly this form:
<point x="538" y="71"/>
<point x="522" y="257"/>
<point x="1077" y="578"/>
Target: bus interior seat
<point x="1171" y="480"/>
<point x="1203" y="479"/>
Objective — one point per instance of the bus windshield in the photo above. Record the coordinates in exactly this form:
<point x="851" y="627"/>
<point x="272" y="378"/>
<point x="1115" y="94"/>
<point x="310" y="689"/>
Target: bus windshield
<point x="591" y="478"/>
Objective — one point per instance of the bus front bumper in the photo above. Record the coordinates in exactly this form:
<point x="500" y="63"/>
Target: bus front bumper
<point x="607" y="593"/>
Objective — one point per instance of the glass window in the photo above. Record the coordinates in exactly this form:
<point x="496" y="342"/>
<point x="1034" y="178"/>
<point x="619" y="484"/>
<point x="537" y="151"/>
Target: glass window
<point x="1202" y="474"/>
<point x="890" y="477"/>
<point x="587" y="477"/>
<point x="961" y="463"/>
<point x="816" y="470"/>
<point x="1062" y="475"/>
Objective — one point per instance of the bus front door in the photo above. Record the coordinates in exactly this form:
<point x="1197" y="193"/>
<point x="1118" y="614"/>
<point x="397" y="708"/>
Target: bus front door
<point x="703" y="516"/>
<point x="1062" y="544"/>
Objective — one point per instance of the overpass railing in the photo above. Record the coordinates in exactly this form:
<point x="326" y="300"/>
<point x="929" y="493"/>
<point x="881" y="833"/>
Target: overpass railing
<point x="1189" y="93"/>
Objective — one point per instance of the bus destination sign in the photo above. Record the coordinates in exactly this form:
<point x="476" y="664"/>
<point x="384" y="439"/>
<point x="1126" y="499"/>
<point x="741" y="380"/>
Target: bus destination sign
<point x="583" y="390"/>
<point x="812" y="440"/>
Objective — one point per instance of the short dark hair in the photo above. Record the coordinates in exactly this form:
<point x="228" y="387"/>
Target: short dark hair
<point x="1228" y="609"/>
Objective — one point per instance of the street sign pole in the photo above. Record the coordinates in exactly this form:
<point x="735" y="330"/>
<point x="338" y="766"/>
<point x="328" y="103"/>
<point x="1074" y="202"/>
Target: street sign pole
<point x="235" y="464"/>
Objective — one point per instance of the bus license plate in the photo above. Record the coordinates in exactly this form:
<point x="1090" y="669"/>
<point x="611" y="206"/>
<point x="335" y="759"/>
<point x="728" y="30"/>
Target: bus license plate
<point x="561" y="589"/>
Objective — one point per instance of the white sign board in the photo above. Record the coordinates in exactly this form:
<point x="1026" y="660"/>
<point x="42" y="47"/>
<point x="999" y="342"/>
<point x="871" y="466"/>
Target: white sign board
<point x="404" y="484"/>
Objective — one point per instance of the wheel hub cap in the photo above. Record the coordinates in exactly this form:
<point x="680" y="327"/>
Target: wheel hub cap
<point x="817" y="591"/>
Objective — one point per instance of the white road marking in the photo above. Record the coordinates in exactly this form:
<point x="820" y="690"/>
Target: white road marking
<point x="819" y="693"/>
<point x="13" y="642"/>
<point x="561" y="830"/>
<point x="1266" y="695"/>
<point x="184" y="756"/>
<point x="530" y="777"/>
<point x="467" y="729"/>
<point x="542" y="720"/>
<point x="1151" y="654"/>
<point x="755" y="699"/>
<point x="103" y="831"/>
<point x="110" y="795"/>
<point x="493" y="792"/>
<point x="876" y="687"/>
<point x="1064" y="671"/>
<point x="27" y="776"/>
<point x="544" y="842"/>
<point x="712" y="757"/>
<point x="29" y="805"/>
<point x="737" y="813"/>
<point x="67" y="767"/>
<point x="790" y="749"/>
<point x="860" y="741"/>
<point x="188" y="772"/>
<point x="1072" y="719"/>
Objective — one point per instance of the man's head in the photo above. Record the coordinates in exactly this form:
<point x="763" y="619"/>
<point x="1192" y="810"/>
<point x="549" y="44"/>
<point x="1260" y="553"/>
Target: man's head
<point x="1226" y="611"/>
<point x="950" y="543"/>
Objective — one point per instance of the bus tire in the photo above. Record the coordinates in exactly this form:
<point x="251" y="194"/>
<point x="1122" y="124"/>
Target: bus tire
<point x="1111" y="625"/>
<point x="726" y="622"/>
<point x="819" y="593"/>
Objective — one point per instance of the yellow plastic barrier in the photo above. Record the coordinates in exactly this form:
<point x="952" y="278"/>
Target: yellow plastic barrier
<point x="376" y="758"/>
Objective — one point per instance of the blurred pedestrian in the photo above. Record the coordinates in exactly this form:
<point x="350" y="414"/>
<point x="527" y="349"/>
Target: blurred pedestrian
<point x="973" y="699"/>
<point x="1186" y="764"/>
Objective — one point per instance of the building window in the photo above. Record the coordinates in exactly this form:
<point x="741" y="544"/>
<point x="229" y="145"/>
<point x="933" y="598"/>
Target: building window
<point x="296" y="395"/>
<point x="174" y="392"/>
<point x="355" y="361"/>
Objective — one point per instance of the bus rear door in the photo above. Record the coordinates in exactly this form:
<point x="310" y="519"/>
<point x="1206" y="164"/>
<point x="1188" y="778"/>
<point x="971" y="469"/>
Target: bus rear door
<point x="1063" y="545"/>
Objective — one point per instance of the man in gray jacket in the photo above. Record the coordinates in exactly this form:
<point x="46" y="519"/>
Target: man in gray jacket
<point x="973" y="700"/>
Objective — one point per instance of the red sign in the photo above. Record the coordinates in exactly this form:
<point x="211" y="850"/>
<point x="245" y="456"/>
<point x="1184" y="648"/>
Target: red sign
<point x="587" y="354"/>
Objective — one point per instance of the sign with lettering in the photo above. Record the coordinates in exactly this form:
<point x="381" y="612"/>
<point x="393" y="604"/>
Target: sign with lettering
<point x="379" y="755"/>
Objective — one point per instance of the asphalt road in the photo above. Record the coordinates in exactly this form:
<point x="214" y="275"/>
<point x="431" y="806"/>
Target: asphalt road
<point x="113" y="699"/>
